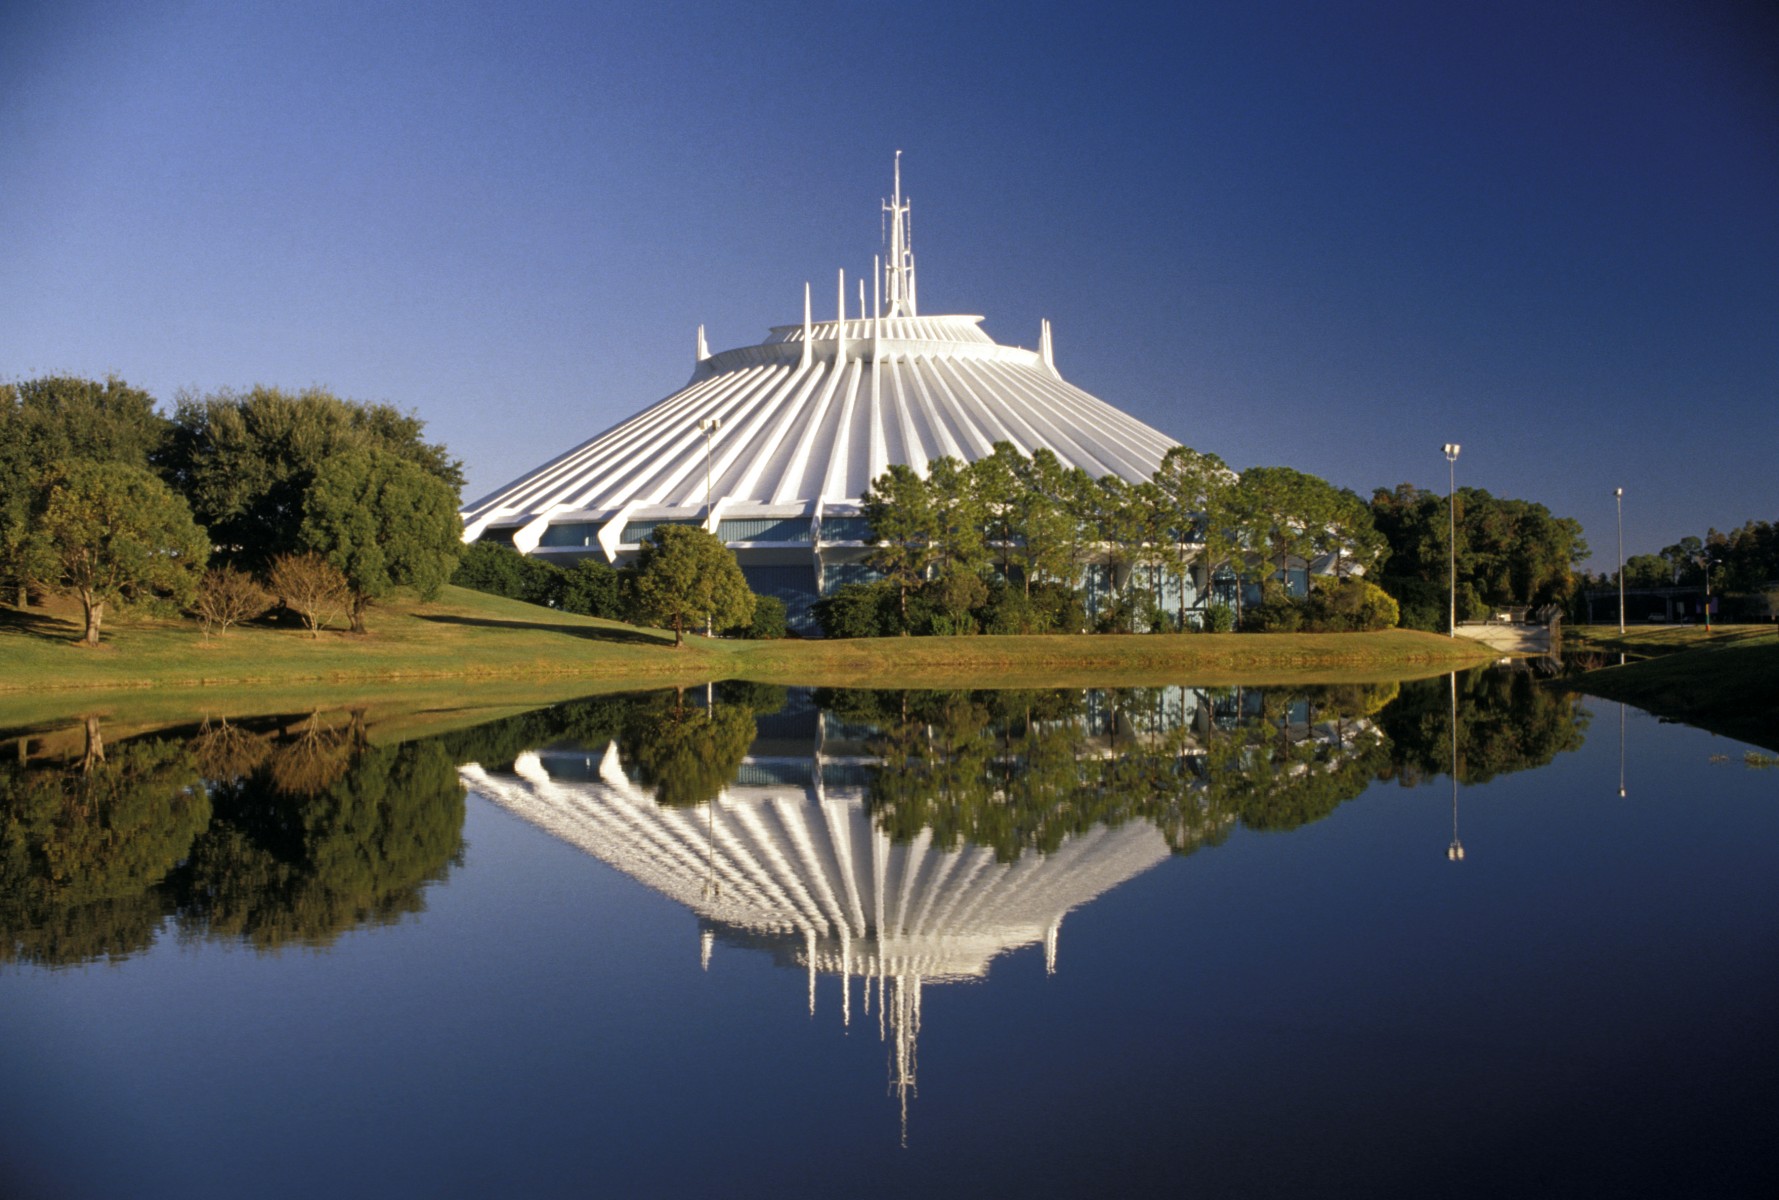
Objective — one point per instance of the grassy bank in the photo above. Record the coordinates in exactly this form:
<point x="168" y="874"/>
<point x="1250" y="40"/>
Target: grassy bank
<point x="472" y="637"/>
<point x="1650" y="641"/>
<point x="1726" y="682"/>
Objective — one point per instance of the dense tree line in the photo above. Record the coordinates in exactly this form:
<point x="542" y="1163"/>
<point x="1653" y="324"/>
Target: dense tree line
<point x="104" y="498"/>
<point x="1741" y="565"/>
<point x="1005" y="545"/>
<point x="1508" y="552"/>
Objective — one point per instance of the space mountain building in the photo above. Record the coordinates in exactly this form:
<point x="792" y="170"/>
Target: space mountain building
<point x="771" y="446"/>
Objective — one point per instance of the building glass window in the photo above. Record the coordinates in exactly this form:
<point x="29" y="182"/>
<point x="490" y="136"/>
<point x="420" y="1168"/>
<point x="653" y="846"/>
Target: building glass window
<point x="570" y="533"/>
<point x="636" y="532"/>
<point x="764" y="529"/>
<point x="846" y="529"/>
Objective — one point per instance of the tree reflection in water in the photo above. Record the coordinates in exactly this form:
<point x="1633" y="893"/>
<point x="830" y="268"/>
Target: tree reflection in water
<point x="274" y="832"/>
<point x="85" y="842"/>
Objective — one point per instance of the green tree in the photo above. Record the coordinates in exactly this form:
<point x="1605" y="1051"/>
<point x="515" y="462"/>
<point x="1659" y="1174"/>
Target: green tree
<point x="63" y="419"/>
<point x="246" y="461"/>
<point x="1647" y="571"/>
<point x="385" y="523"/>
<point x="1045" y="530"/>
<point x="1348" y="532"/>
<point x="1195" y="497"/>
<point x="961" y="557"/>
<point x="108" y="534"/>
<point x="1279" y="512"/>
<point x="995" y="482"/>
<point x="899" y="508"/>
<point x="686" y="577"/>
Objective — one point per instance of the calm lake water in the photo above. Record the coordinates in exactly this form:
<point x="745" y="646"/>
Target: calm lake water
<point x="751" y="942"/>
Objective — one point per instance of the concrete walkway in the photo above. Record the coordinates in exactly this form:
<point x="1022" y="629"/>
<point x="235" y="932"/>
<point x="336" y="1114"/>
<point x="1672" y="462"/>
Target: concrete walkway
<point x="1507" y="638"/>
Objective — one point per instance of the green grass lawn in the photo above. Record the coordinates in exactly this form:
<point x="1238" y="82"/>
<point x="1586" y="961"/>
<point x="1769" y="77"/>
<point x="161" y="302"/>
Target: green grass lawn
<point x="468" y="644"/>
<point x="1726" y="681"/>
<point x="1648" y="641"/>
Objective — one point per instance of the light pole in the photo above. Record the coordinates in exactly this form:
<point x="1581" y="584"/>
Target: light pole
<point x="1707" y="557"/>
<point x="709" y="426"/>
<point x="1619" y="495"/>
<point x="1451" y="505"/>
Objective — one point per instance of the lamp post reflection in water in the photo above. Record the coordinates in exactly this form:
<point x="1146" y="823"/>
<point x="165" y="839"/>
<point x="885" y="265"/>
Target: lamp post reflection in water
<point x="1621" y="750"/>
<point x="1455" y="851"/>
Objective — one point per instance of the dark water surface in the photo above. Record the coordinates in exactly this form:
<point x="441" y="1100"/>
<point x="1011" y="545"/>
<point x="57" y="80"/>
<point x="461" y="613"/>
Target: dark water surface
<point x="753" y="942"/>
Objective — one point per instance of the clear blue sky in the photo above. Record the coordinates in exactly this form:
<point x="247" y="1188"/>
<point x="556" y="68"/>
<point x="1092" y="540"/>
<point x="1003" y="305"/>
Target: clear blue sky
<point x="1326" y="235"/>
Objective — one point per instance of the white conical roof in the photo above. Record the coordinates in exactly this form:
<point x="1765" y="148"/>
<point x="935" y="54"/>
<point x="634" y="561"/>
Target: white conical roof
<point x="813" y="414"/>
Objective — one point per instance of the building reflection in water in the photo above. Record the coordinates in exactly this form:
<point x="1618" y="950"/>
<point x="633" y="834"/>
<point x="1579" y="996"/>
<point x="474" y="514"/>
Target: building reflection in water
<point x="790" y="860"/>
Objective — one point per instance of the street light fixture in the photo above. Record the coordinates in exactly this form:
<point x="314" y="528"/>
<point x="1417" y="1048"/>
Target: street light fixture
<point x="1451" y="462"/>
<point x="1619" y="495"/>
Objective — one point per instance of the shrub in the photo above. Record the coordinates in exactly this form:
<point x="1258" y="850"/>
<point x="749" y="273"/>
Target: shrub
<point x="493" y="568"/>
<point x="1277" y="612"/>
<point x="1219" y="618"/>
<point x="228" y="597"/>
<point x="1357" y="605"/>
<point x="591" y="588"/>
<point x="768" y="623"/>
<point x="1060" y="607"/>
<point x="860" y="610"/>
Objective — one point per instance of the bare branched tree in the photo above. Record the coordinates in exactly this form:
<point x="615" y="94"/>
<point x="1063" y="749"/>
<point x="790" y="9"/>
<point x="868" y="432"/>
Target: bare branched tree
<point x="309" y="586"/>
<point x="228" y="597"/>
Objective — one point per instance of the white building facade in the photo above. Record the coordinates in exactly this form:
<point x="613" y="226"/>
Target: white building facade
<point x="771" y="446"/>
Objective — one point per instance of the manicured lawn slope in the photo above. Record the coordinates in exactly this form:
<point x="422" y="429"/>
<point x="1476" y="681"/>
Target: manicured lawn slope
<point x="1728" y="684"/>
<point x="476" y="637"/>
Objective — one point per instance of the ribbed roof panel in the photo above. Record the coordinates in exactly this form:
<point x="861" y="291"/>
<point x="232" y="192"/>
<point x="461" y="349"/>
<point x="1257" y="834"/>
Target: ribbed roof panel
<point x="796" y="429"/>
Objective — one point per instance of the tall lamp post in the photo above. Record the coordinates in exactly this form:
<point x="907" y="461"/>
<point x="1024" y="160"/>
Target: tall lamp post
<point x="709" y="426"/>
<point x="1619" y="496"/>
<point x="1451" y="505"/>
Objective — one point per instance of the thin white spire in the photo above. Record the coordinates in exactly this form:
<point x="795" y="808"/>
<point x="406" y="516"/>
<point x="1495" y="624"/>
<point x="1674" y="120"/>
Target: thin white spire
<point x="808" y="329"/>
<point x="840" y="325"/>
<point x="703" y="346"/>
<point x="899" y="269"/>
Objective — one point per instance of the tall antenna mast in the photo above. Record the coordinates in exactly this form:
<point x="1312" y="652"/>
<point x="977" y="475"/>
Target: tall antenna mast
<point x="898" y="269"/>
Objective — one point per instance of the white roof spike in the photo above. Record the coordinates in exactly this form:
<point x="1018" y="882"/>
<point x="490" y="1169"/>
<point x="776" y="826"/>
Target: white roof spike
<point x="840" y="325"/>
<point x="808" y="330"/>
<point x="703" y="346"/>
<point x="1047" y="348"/>
<point x="899" y="267"/>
